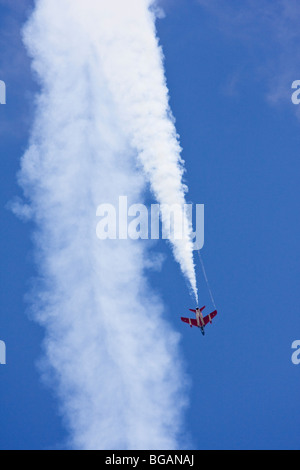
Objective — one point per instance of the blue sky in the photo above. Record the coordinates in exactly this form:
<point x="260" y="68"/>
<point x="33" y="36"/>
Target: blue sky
<point x="230" y="86"/>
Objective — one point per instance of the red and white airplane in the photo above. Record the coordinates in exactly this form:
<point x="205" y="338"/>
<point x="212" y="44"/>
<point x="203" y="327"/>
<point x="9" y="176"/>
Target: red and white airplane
<point x="200" y="321"/>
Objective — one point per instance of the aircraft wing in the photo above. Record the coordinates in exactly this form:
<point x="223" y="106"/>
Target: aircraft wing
<point x="209" y="317"/>
<point x="189" y="321"/>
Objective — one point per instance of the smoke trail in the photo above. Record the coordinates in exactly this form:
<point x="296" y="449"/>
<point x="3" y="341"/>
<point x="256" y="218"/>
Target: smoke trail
<point x="132" y="61"/>
<point x="115" y="361"/>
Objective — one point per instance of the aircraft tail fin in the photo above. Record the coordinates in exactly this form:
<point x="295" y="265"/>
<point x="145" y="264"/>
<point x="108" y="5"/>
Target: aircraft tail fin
<point x="201" y="309"/>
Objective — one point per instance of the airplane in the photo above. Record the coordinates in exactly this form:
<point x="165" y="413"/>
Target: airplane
<point x="200" y="322"/>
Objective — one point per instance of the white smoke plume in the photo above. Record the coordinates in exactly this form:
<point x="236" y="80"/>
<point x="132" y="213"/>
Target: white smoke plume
<point x="103" y="101"/>
<point x="133" y="65"/>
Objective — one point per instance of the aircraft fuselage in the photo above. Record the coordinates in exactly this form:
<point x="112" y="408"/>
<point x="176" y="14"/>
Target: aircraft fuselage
<point x="200" y="320"/>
